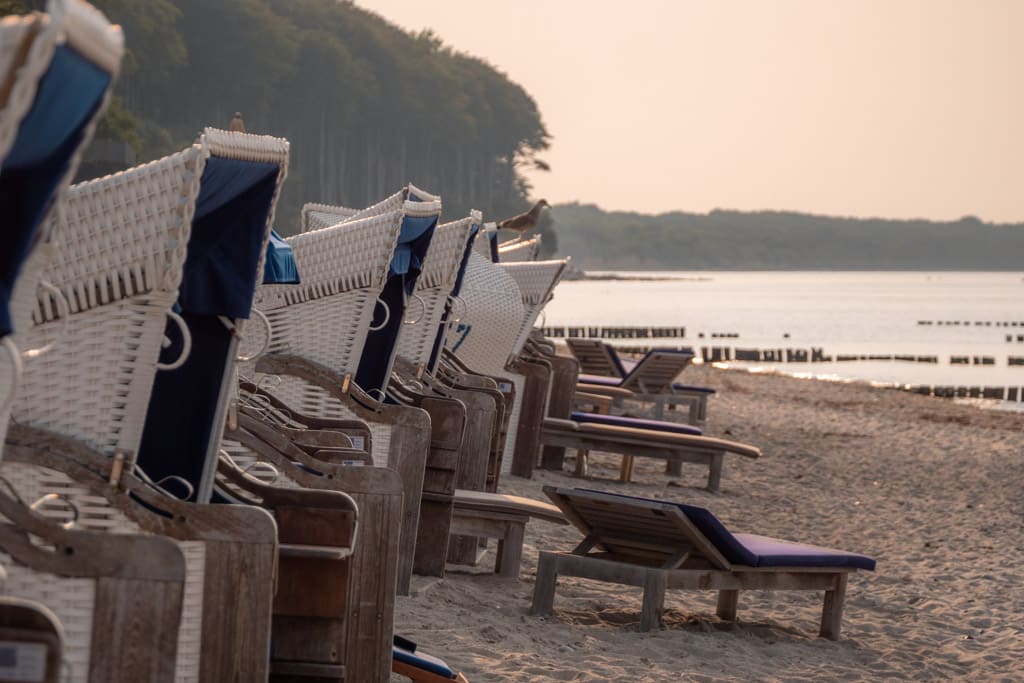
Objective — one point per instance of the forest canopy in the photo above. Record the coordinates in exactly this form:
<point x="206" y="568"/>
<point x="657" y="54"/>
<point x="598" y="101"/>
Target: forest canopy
<point x="367" y="106"/>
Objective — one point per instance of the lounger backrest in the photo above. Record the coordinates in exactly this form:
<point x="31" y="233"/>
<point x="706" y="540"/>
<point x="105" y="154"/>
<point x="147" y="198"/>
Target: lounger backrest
<point x="231" y="226"/>
<point x="594" y="357"/>
<point x="433" y="288"/>
<point x="656" y="371"/>
<point x="537" y="281"/>
<point x="633" y="528"/>
<point x="316" y="216"/>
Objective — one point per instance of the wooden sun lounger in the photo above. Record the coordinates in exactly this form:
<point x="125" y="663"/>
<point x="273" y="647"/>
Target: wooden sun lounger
<point x="502" y="517"/>
<point x="658" y="546"/>
<point x="646" y="443"/>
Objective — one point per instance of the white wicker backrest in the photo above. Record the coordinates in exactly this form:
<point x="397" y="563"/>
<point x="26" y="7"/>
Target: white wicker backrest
<point x="435" y="283"/>
<point x="87" y="31"/>
<point x="536" y="282"/>
<point x="318" y="216"/>
<point x="494" y="313"/>
<point x="519" y="250"/>
<point x="327" y="316"/>
<point x="119" y="246"/>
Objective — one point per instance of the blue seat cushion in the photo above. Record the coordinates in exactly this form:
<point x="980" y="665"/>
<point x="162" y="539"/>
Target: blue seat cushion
<point x="601" y="380"/>
<point x="421" y="661"/>
<point x="690" y="387"/>
<point x="753" y="550"/>
<point x="635" y="423"/>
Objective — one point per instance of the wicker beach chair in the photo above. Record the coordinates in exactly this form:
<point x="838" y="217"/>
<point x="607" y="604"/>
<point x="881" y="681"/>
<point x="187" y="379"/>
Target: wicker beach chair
<point x="80" y="408"/>
<point x="319" y="326"/>
<point x="57" y="79"/>
<point x="57" y="69"/>
<point x="519" y="250"/>
<point x="659" y="545"/>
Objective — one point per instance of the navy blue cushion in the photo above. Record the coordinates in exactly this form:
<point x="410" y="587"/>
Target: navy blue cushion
<point x="690" y="387"/>
<point x="67" y="98"/>
<point x="435" y="353"/>
<point x="182" y="407"/>
<point x="234" y="202"/>
<point x="413" y="243"/>
<point x="753" y="550"/>
<point x="422" y="661"/>
<point x="635" y="423"/>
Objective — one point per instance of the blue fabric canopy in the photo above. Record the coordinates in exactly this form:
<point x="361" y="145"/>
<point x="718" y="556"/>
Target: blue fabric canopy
<point x="235" y="198"/>
<point x="227" y="232"/>
<point x="280" y="267"/>
<point x="413" y="243"/>
<point x="67" y="98"/>
<point x="435" y="353"/>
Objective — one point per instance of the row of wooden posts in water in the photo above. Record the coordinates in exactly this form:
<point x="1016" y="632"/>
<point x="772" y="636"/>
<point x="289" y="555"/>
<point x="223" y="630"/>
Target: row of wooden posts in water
<point x="975" y="323"/>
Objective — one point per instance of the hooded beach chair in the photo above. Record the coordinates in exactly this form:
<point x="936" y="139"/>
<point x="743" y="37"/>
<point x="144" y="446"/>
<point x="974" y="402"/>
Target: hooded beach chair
<point x="320" y="325"/>
<point x="519" y="250"/>
<point x="659" y="545"/>
<point x="350" y="336"/>
<point x="62" y="66"/>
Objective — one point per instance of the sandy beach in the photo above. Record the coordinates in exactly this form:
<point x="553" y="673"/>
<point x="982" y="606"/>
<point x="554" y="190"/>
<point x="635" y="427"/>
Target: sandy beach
<point x="933" y="490"/>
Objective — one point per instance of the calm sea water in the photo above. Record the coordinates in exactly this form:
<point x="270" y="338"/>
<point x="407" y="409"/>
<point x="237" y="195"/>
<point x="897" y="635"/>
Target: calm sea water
<point x="863" y="313"/>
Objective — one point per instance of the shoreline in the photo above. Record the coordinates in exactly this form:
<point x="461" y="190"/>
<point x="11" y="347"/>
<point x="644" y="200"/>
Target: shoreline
<point x="928" y="487"/>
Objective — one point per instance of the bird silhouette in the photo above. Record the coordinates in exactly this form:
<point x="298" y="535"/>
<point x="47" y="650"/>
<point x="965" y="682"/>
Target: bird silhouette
<point x="237" y="125"/>
<point x="524" y="221"/>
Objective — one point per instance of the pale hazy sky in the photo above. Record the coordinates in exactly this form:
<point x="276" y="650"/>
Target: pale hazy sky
<point x="892" y="108"/>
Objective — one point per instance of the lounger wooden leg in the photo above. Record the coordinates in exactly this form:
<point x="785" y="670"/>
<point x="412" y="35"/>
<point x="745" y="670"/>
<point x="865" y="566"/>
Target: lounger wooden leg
<point x="654" y="600"/>
<point x="673" y="468"/>
<point x="832" y="612"/>
<point x="626" y="469"/>
<point x="510" y="551"/>
<point x="582" y="462"/>
<point x="544" y="587"/>
<point x="715" y="472"/>
<point x="728" y="600"/>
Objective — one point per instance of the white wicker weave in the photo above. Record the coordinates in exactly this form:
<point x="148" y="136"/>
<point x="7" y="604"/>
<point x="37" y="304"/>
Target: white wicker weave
<point x="536" y="282"/>
<point x="327" y="318"/>
<point x="88" y="32"/>
<point x="484" y="338"/>
<point x="435" y="283"/>
<point x="318" y="216"/>
<point x="519" y="250"/>
<point x="62" y="594"/>
<point x="119" y="246"/>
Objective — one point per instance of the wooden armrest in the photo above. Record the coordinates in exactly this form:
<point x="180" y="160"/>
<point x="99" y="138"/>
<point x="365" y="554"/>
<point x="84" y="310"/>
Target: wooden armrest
<point x="316" y="552"/>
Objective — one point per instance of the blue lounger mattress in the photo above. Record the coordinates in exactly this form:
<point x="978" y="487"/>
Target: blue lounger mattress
<point x="635" y="423"/>
<point x="601" y="380"/>
<point x="754" y="550"/>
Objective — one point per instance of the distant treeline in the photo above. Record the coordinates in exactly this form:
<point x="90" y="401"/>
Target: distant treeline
<point x="367" y="106"/>
<point x="776" y="240"/>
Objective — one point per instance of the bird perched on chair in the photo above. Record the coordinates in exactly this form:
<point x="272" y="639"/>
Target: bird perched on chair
<point x="237" y="125"/>
<point x="524" y="221"/>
